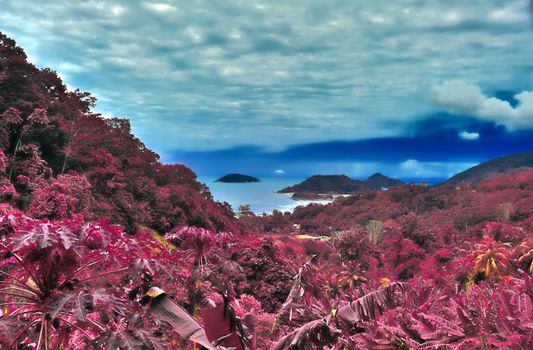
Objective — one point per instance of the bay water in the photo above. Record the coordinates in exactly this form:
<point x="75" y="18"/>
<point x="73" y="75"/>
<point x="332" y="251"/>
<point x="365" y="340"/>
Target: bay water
<point x="261" y="196"/>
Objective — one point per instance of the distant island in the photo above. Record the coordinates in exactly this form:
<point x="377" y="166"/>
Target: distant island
<point x="237" y="178"/>
<point x="329" y="186"/>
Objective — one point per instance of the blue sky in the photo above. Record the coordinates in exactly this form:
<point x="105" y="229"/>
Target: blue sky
<point x="411" y="88"/>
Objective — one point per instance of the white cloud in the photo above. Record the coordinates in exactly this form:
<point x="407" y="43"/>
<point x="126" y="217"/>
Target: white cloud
<point x="68" y="67"/>
<point x="118" y="10"/>
<point x="410" y="164"/>
<point x="194" y="34"/>
<point x="160" y="7"/>
<point x="512" y="13"/>
<point x="469" y="136"/>
<point x="279" y="171"/>
<point x="452" y="17"/>
<point x="462" y="97"/>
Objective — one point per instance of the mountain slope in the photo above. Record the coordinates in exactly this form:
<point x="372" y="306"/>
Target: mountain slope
<point x="494" y="167"/>
<point x="379" y="180"/>
<point x="58" y="159"/>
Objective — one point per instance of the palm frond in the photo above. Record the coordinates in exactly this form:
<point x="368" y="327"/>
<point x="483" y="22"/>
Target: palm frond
<point x="316" y="332"/>
<point x="372" y="304"/>
<point x="162" y="308"/>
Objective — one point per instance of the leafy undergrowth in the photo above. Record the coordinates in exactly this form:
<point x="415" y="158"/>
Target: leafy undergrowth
<point x="104" y="247"/>
<point x="70" y="284"/>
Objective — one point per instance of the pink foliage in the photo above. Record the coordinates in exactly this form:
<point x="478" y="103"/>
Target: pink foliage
<point x="78" y="274"/>
<point x="7" y="191"/>
<point x="64" y="197"/>
<point x="38" y="116"/>
<point x="4" y="161"/>
<point x="11" y="116"/>
<point x="29" y="163"/>
<point x="504" y="232"/>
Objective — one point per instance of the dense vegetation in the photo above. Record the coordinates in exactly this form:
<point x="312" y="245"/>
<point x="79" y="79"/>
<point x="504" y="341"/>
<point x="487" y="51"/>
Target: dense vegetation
<point x="61" y="159"/>
<point x="104" y="247"/>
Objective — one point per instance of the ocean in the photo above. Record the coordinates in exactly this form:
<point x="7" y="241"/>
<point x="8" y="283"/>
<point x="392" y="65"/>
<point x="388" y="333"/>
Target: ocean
<point x="261" y="196"/>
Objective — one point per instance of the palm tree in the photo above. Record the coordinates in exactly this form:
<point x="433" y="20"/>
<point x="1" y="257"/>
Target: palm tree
<point x="490" y="256"/>
<point x="350" y="277"/>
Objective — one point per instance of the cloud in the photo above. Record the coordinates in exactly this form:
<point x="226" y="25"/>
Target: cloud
<point x="213" y="75"/>
<point x="469" y="136"/>
<point x="118" y="10"/>
<point x="511" y="13"/>
<point x="160" y="7"/>
<point x="462" y="97"/>
<point x="279" y="171"/>
<point x="437" y="141"/>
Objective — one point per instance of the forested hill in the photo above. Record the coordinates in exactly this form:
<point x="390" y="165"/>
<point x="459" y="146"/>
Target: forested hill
<point x="59" y="159"/>
<point x="505" y="197"/>
<point x="494" y="167"/>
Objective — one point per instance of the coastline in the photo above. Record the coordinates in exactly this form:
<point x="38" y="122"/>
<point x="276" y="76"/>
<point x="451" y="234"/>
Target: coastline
<point x="263" y="197"/>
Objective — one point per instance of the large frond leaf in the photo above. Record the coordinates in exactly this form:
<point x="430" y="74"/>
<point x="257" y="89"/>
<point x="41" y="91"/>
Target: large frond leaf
<point x="162" y="308"/>
<point x="371" y="305"/>
<point x="297" y="291"/>
<point x="316" y="332"/>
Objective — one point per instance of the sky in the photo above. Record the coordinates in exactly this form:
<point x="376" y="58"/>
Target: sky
<point x="410" y="88"/>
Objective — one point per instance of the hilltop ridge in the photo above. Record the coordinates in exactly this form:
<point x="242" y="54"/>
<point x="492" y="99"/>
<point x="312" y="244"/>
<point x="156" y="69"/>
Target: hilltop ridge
<point x="338" y="184"/>
<point x="494" y="167"/>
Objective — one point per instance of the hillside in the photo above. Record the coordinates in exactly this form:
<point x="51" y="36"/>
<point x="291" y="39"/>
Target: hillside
<point x="503" y="197"/>
<point x="379" y="180"/>
<point x="494" y="167"/>
<point x="61" y="159"/>
<point x="324" y="184"/>
<point x="339" y="184"/>
<point x="237" y="178"/>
